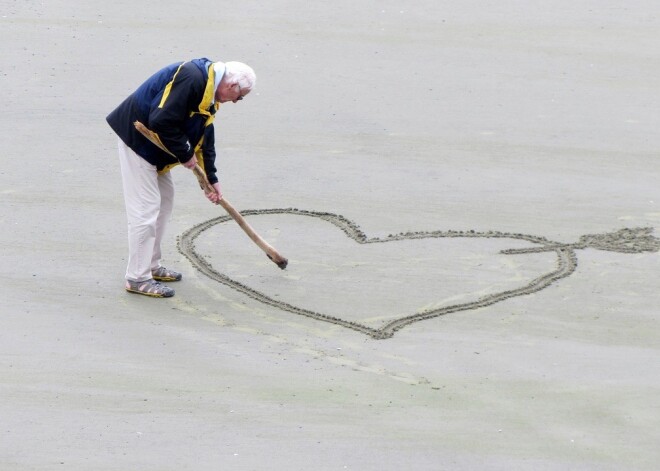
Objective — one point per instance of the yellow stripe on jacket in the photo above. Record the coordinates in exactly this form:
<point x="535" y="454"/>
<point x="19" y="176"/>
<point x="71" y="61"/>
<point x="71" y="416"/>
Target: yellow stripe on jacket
<point x="168" y="87"/>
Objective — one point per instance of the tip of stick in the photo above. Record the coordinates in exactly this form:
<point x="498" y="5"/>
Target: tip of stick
<point x="282" y="263"/>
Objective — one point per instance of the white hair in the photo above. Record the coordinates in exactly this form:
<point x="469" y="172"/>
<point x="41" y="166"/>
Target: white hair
<point x="240" y="73"/>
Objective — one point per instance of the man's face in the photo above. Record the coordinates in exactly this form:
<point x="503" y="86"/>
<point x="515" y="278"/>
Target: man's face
<point x="230" y="92"/>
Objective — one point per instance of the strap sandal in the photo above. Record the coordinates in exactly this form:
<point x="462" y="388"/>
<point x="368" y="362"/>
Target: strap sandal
<point x="164" y="274"/>
<point x="149" y="288"/>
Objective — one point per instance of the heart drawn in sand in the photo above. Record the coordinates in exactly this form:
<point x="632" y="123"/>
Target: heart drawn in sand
<point x="625" y="240"/>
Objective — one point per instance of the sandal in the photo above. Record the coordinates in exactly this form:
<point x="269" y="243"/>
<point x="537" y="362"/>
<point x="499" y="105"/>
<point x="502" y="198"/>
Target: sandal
<point x="163" y="274"/>
<point x="149" y="288"/>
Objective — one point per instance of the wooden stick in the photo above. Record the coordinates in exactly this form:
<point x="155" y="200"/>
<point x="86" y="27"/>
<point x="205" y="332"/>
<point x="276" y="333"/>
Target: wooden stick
<point x="208" y="188"/>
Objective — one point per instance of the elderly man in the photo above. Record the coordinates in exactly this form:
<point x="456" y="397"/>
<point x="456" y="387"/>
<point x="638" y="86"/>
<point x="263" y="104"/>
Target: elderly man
<point x="177" y="104"/>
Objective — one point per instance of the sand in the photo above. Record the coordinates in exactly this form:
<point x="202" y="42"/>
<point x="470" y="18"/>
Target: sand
<point x="468" y="197"/>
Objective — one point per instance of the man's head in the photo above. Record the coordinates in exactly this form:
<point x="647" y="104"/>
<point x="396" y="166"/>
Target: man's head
<point x="238" y="81"/>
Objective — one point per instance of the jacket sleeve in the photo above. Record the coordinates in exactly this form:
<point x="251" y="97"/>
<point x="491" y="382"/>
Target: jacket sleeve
<point x="208" y="152"/>
<point x="167" y="115"/>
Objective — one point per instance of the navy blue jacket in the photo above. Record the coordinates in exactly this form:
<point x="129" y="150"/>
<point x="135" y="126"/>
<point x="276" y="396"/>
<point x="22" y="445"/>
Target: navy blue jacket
<point x="176" y="103"/>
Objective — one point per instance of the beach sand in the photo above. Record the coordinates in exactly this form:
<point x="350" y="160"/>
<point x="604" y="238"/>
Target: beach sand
<point x="405" y="125"/>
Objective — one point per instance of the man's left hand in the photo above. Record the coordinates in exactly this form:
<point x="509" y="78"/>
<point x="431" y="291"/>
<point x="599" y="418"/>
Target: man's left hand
<point x="216" y="196"/>
<point x="190" y="164"/>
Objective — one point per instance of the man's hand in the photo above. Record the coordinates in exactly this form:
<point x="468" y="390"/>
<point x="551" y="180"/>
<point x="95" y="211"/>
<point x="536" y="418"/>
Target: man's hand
<point x="190" y="164"/>
<point x="216" y="196"/>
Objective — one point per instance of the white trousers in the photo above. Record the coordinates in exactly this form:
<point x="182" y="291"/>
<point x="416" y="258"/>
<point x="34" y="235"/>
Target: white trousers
<point x="149" y="199"/>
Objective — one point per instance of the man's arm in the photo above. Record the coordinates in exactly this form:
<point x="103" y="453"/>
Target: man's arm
<point x="208" y="153"/>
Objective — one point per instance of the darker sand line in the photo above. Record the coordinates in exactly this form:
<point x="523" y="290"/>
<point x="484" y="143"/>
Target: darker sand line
<point x="626" y="241"/>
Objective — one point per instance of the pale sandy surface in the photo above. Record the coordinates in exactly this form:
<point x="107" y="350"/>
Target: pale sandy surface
<point x="537" y="118"/>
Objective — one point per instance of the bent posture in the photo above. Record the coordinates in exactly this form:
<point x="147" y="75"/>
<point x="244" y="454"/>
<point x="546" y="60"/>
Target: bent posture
<point x="178" y="104"/>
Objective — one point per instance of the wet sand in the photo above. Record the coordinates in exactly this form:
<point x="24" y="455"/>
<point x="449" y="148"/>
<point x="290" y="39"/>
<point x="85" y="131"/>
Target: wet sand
<point x="470" y="285"/>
